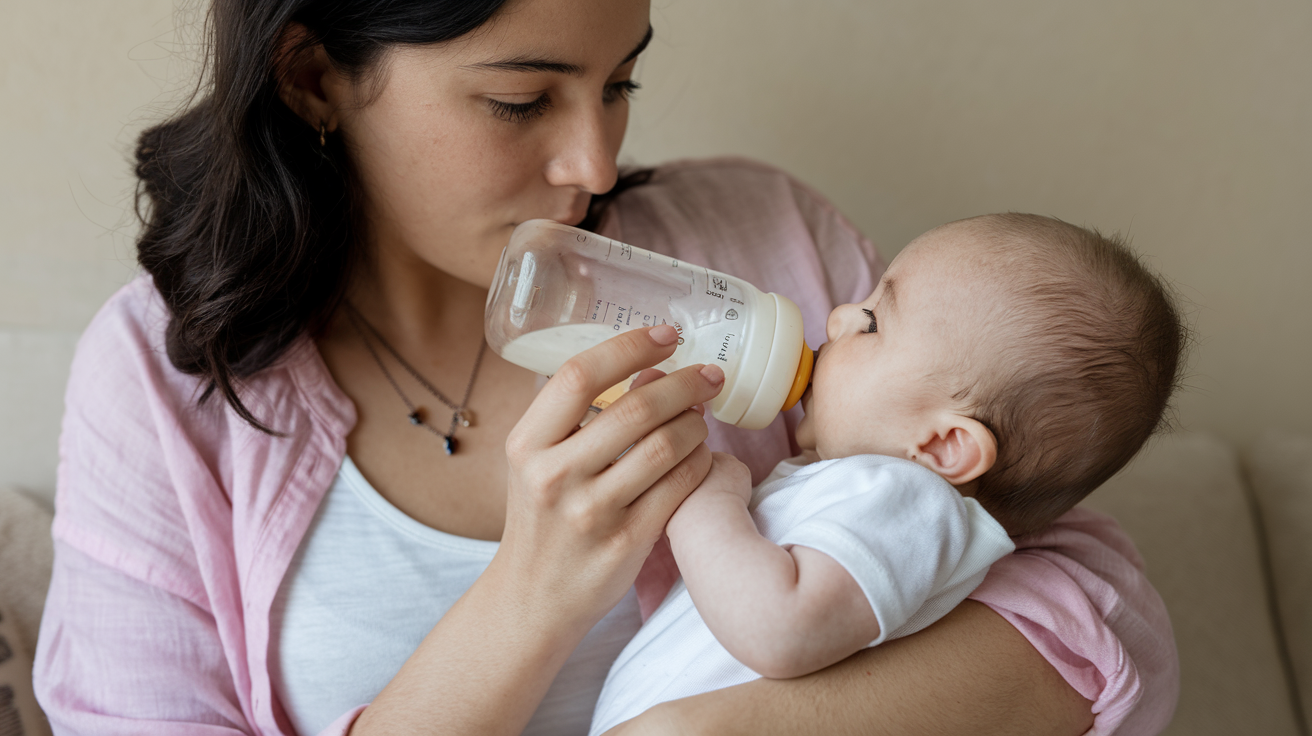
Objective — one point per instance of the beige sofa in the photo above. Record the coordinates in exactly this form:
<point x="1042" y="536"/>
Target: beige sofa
<point x="1226" y="536"/>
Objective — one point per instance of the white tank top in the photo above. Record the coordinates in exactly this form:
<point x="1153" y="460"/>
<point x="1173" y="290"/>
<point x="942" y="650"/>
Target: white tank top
<point x="368" y="583"/>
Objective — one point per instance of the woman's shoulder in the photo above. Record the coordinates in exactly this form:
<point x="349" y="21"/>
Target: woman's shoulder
<point x="132" y="320"/>
<point x="703" y="202"/>
<point x="1078" y="592"/>
<point x="121" y="367"/>
<point x="114" y="496"/>
<point x="142" y="458"/>
<point x="124" y="353"/>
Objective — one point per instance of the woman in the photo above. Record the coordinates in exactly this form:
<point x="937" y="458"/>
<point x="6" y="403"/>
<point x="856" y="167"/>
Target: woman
<point x="266" y="520"/>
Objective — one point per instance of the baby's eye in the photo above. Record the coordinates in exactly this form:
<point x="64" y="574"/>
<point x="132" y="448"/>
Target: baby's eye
<point x="874" y="326"/>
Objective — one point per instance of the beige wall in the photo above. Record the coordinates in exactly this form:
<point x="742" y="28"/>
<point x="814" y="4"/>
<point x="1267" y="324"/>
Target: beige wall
<point x="1186" y="123"/>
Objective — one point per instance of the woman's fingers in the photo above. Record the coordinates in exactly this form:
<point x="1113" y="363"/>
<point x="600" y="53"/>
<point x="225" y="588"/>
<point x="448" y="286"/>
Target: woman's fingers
<point x="556" y="411"/>
<point x="654" y="506"/>
<point x="639" y="412"/>
<point x="652" y="458"/>
<point x="651" y="374"/>
<point x="645" y="377"/>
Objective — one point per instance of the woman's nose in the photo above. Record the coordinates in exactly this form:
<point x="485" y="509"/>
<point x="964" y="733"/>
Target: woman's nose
<point x="586" y="154"/>
<point x="844" y="320"/>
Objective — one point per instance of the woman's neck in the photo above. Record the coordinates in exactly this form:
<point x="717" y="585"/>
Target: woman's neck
<point x="418" y="307"/>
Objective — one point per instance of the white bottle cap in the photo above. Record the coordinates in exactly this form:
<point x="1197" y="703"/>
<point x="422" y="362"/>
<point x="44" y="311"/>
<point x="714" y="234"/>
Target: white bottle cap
<point x="768" y="366"/>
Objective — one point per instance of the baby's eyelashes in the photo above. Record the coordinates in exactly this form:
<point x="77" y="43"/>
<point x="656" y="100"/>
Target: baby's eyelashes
<point x="874" y="325"/>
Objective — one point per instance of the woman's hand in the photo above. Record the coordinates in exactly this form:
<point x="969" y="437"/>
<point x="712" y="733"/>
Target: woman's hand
<point x="579" y="523"/>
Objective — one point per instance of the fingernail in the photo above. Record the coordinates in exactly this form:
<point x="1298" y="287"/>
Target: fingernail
<point x="663" y="335"/>
<point x="713" y="374"/>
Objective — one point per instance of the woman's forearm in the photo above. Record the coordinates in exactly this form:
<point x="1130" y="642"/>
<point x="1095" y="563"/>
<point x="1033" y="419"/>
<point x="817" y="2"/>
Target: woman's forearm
<point x="483" y="669"/>
<point x="970" y="673"/>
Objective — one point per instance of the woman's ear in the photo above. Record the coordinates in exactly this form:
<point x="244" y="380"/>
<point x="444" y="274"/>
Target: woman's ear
<point x="307" y="81"/>
<point x="961" y="449"/>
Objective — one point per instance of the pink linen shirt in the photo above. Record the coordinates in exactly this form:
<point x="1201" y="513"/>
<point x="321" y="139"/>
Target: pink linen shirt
<point x="175" y="523"/>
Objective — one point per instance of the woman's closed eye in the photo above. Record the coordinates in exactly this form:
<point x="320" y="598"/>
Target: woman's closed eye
<point x="874" y="326"/>
<point x="523" y="112"/>
<point x="520" y="112"/>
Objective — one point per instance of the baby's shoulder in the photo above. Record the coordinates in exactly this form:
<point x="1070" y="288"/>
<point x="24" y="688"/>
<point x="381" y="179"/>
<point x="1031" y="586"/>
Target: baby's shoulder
<point x="826" y="482"/>
<point x="874" y="469"/>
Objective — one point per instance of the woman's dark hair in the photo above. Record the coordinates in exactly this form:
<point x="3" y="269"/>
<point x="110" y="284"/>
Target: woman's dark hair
<point x="250" y="226"/>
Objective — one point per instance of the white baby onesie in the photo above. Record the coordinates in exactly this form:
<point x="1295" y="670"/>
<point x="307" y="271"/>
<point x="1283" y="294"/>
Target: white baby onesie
<point x="913" y="544"/>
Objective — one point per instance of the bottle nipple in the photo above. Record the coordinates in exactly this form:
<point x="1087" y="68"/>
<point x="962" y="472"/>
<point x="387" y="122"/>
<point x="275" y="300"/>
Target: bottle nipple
<point x="802" y="379"/>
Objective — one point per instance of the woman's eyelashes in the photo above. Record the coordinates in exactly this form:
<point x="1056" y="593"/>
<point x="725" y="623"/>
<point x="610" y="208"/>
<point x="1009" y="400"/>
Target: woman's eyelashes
<point x="520" y="112"/>
<point x="523" y="112"/>
<point x="874" y="326"/>
<point x="620" y="90"/>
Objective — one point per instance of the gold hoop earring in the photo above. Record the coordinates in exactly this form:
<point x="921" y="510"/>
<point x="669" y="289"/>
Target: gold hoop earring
<point x="323" y="134"/>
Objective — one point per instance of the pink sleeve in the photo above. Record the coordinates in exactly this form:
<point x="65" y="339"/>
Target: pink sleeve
<point x="119" y="656"/>
<point x="1077" y="592"/>
<point x="142" y="631"/>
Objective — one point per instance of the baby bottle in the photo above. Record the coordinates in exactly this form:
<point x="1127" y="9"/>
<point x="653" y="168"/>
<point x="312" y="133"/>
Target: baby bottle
<point x="559" y="290"/>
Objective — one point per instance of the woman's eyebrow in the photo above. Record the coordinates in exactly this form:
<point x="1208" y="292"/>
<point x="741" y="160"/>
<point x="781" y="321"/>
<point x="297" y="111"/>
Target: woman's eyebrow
<point x="642" y="46"/>
<point x="531" y="64"/>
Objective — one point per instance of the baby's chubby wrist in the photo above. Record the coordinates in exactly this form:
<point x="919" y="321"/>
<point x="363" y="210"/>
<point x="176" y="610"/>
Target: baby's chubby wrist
<point x="703" y="504"/>
<point x="725" y="490"/>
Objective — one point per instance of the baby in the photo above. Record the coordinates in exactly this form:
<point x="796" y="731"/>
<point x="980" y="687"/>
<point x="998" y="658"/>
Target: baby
<point x="1004" y="367"/>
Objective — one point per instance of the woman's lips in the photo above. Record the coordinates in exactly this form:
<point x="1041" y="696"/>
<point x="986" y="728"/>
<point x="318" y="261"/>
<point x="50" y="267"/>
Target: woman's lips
<point x="572" y="217"/>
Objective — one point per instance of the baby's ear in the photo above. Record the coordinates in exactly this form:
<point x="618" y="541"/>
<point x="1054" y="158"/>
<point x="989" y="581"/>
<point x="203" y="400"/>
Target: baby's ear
<point x="961" y="449"/>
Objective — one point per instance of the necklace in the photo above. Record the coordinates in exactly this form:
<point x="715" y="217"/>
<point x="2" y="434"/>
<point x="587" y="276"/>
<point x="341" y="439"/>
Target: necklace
<point x="460" y="415"/>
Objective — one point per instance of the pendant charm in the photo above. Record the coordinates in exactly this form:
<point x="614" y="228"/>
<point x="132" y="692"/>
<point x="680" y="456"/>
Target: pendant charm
<point x="465" y="417"/>
<point x="450" y="444"/>
<point x="415" y="418"/>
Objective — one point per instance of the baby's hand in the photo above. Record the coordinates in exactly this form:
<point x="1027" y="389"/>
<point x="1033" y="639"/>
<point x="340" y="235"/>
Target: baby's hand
<point x="724" y="490"/>
<point x="728" y="474"/>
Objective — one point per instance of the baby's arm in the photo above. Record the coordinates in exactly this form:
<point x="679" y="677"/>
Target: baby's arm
<point x="783" y="612"/>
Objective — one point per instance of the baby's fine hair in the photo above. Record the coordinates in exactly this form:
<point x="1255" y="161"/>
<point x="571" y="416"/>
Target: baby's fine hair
<point x="1092" y="354"/>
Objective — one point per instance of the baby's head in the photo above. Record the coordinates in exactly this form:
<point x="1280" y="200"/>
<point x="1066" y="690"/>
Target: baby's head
<point x="1024" y="359"/>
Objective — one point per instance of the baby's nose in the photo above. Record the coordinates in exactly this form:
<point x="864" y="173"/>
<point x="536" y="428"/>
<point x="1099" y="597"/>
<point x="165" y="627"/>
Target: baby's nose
<point x="842" y="320"/>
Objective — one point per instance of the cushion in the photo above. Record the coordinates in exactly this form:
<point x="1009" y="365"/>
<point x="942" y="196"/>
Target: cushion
<point x="1280" y="470"/>
<point x="1183" y="502"/>
<point x="26" y="556"/>
<point x="19" y="714"/>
